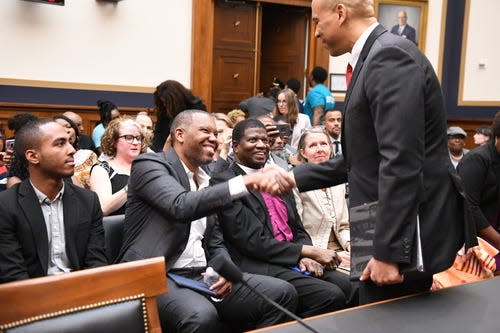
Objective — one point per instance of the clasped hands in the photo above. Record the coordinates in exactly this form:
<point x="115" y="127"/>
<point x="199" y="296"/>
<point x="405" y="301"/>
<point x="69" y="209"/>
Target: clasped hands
<point x="271" y="179"/>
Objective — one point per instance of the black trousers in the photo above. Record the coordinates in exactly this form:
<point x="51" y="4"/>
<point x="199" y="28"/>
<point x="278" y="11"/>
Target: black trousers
<point x="369" y="292"/>
<point x="185" y="310"/>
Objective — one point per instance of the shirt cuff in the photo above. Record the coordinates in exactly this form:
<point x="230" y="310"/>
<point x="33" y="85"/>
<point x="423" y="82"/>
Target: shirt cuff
<point x="237" y="188"/>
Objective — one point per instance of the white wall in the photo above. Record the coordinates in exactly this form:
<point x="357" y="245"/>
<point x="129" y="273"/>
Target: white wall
<point x="482" y="46"/>
<point x="432" y="44"/>
<point x="87" y="43"/>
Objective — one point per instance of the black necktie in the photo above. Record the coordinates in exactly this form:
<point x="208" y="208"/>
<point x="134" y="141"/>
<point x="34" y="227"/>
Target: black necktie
<point x="337" y="146"/>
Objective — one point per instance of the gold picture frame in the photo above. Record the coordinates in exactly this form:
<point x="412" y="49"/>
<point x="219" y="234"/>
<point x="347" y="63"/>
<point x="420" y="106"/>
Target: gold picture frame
<point x="387" y="11"/>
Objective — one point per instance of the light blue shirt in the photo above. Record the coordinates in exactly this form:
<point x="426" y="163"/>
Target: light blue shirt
<point x="318" y="96"/>
<point x="96" y="135"/>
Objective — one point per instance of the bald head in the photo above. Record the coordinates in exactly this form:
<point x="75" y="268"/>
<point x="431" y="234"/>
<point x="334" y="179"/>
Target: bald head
<point x="74" y="117"/>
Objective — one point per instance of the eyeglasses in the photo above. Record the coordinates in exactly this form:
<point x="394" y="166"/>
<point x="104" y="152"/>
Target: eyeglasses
<point x="129" y="138"/>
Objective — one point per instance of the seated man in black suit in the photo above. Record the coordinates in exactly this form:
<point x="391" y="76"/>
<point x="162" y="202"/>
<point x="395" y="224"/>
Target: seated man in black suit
<point x="48" y="226"/>
<point x="171" y="213"/>
<point x="264" y="234"/>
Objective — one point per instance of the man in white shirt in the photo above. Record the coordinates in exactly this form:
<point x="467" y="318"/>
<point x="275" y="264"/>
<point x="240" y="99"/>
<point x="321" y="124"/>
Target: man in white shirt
<point x="170" y="213"/>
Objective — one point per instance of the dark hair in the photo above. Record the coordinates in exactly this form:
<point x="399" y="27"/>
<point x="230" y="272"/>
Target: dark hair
<point x="29" y="137"/>
<point x="319" y="74"/>
<point x="277" y="82"/>
<point x="183" y="120"/>
<point x="495" y="127"/>
<point x="19" y="120"/>
<point x="171" y="98"/>
<point x="105" y="109"/>
<point x="73" y="126"/>
<point x="240" y="128"/>
<point x="486" y="131"/>
<point x="293" y="84"/>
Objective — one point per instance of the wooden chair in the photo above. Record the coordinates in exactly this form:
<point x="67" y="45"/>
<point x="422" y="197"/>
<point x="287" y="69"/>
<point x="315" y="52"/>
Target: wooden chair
<point x="115" y="298"/>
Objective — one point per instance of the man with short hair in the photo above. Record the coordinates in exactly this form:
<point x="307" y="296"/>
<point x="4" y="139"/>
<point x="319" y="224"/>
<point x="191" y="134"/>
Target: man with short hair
<point x="170" y="213"/>
<point x="265" y="235"/>
<point x="85" y="141"/>
<point x="319" y="99"/>
<point x="403" y="29"/>
<point x="333" y="126"/>
<point x="48" y="226"/>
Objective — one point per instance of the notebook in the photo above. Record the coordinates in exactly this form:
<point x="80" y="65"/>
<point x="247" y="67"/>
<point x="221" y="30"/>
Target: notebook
<point x="362" y="228"/>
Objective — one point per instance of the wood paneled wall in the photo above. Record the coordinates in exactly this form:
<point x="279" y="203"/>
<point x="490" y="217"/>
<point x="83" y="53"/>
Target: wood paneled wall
<point x="89" y="114"/>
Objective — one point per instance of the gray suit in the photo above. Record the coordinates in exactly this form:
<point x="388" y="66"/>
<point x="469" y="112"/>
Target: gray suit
<point x="395" y="151"/>
<point x="160" y="208"/>
<point x="24" y="246"/>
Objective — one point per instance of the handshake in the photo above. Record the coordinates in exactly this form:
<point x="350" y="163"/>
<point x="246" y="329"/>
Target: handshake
<point x="271" y="179"/>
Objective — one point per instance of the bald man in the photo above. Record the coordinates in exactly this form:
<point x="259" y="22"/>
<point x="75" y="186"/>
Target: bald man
<point x="393" y="149"/>
<point x="85" y="141"/>
<point x="403" y="29"/>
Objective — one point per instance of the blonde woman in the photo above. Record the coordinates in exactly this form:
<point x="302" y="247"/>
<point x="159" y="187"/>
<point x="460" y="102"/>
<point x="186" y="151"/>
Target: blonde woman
<point x="324" y="212"/>
<point x="286" y="110"/>
<point x="122" y="142"/>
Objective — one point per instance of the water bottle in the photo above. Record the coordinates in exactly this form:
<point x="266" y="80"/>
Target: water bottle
<point x="211" y="277"/>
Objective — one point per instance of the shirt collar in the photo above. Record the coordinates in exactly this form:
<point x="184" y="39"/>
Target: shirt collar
<point x="247" y="169"/>
<point x="358" y="46"/>
<point x="42" y="198"/>
<point x="203" y="178"/>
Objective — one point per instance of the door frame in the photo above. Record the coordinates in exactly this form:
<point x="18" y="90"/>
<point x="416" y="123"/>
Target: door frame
<point x="202" y="45"/>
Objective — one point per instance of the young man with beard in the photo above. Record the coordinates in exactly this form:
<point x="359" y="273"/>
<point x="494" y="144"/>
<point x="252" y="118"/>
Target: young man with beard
<point x="48" y="226"/>
<point x="170" y="213"/>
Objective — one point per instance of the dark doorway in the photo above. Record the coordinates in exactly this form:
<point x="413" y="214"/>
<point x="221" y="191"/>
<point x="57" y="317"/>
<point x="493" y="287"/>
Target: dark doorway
<point x="283" y="44"/>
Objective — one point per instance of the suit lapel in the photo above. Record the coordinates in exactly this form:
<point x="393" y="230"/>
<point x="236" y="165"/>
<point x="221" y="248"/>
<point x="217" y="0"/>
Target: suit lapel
<point x="379" y="30"/>
<point x="256" y="196"/>
<point x="70" y="215"/>
<point x="28" y="202"/>
<point x="173" y="159"/>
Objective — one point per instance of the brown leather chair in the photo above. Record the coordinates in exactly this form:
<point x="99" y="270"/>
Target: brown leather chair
<point x="115" y="298"/>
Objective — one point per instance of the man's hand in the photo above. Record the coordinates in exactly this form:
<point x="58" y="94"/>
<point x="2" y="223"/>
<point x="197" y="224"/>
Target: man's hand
<point x="312" y="266"/>
<point x="272" y="179"/>
<point x="222" y="287"/>
<point x="382" y="273"/>
<point x="327" y="258"/>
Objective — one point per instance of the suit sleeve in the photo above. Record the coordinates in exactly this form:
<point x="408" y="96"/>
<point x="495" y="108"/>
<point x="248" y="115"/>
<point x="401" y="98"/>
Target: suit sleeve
<point x="315" y="176"/>
<point x="158" y="187"/>
<point x="473" y="171"/>
<point x="96" y="255"/>
<point x="12" y="264"/>
<point x="394" y="87"/>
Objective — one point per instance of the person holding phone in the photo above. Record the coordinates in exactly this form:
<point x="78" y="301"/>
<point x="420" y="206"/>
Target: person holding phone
<point x="286" y="109"/>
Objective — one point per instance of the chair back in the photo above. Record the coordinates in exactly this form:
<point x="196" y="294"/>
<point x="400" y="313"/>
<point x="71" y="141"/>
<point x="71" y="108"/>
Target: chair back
<point x="113" y="235"/>
<point x="115" y="298"/>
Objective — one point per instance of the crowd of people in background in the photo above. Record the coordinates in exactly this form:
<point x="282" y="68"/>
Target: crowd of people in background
<point x="200" y="187"/>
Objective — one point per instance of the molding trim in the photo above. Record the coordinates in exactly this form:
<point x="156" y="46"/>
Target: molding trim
<point x="442" y="36"/>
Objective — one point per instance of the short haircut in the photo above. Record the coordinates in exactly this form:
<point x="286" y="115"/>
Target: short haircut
<point x="303" y="138"/>
<point x="319" y="74"/>
<point x="486" y="131"/>
<point x="293" y="84"/>
<point x="183" y="120"/>
<point x="29" y="137"/>
<point x="73" y="126"/>
<point x="242" y="126"/>
<point x="495" y="127"/>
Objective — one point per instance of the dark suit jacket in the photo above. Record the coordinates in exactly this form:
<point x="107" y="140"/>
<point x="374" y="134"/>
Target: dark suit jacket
<point x="249" y="235"/>
<point x="480" y="172"/>
<point x="161" y="206"/>
<point x="395" y="151"/>
<point x="408" y="32"/>
<point x="24" y="247"/>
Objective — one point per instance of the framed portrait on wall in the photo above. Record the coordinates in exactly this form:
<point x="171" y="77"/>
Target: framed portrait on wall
<point x="338" y="83"/>
<point x="407" y="18"/>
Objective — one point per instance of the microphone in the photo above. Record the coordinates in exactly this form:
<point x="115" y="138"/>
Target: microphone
<point x="232" y="273"/>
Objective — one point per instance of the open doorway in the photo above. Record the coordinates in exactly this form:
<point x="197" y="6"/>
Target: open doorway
<point x="283" y="44"/>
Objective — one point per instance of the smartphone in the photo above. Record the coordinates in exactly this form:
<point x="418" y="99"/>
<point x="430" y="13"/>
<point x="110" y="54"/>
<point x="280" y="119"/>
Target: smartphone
<point x="9" y="145"/>
<point x="284" y="130"/>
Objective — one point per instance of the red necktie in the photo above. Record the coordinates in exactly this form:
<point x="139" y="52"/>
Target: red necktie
<point x="348" y="74"/>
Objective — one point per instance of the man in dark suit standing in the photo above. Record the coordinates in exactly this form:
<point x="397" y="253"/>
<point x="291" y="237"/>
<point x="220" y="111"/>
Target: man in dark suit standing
<point x="403" y="29"/>
<point x="170" y="213"/>
<point x="393" y="149"/>
<point x="47" y="226"/>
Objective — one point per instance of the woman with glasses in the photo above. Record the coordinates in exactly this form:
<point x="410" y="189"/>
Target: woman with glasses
<point x="286" y="109"/>
<point x="324" y="212"/>
<point x="122" y="142"/>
